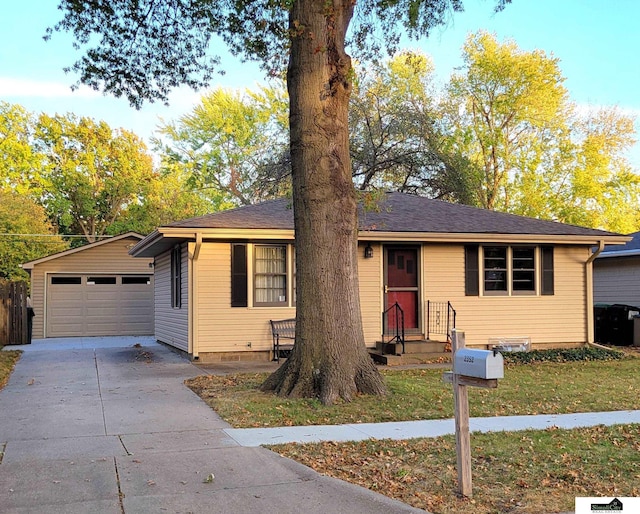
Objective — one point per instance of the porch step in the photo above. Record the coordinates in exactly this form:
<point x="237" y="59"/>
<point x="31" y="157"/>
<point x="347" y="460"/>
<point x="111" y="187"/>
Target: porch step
<point x="409" y="359"/>
<point x="411" y="347"/>
<point x="415" y="352"/>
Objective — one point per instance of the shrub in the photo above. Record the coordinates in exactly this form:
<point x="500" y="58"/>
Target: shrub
<point x="586" y="353"/>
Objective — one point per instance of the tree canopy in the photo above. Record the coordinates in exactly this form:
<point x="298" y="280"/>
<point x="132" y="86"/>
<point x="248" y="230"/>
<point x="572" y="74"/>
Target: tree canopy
<point x="227" y="141"/>
<point x="25" y="235"/>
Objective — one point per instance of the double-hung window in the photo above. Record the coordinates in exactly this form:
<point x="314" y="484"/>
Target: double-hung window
<point x="270" y="275"/>
<point x="263" y="275"/>
<point x="509" y="270"/>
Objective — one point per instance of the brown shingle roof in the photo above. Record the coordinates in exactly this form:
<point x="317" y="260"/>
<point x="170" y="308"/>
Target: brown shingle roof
<point x="397" y="212"/>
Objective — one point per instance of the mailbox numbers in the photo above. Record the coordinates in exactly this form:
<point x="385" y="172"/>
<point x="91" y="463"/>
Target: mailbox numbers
<point x="468" y="358"/>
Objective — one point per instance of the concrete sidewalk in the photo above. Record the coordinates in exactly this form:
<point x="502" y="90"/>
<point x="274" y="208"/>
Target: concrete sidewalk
<point x="114" y="430"/>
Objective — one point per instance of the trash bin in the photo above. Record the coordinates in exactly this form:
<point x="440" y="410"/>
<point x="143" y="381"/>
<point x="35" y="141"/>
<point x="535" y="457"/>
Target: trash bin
<point x="620" y="320"/>
<point x="601" y="322"/>
<point x="636" y="331"/>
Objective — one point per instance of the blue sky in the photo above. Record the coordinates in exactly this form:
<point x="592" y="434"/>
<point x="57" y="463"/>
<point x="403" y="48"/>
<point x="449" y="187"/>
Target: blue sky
<point x="597" y="42"/>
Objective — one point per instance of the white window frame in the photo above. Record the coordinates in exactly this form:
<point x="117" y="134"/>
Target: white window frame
<point x="290" y="280"/>
<point x="509" y="271"/>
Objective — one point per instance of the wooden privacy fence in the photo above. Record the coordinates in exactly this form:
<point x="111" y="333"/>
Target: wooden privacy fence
<point x="14" y="315"/>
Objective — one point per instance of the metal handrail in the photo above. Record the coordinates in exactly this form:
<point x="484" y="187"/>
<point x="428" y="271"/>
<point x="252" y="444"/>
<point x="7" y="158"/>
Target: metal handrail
<point x="436" y="311"/>
<point x="398" y="337"/>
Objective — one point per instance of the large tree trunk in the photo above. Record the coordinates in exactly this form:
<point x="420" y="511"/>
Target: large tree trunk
<point x="329" y="360"/>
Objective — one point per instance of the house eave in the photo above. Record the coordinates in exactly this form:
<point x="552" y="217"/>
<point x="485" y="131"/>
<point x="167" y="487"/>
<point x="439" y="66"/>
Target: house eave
<point x="430" y="237"/>
<point x="165" y="238"/>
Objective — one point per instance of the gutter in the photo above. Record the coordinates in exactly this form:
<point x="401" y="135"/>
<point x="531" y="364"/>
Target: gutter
<point x="595" y="254"/>
<point x="193" y="303"/>
<point x="588" y="268"/>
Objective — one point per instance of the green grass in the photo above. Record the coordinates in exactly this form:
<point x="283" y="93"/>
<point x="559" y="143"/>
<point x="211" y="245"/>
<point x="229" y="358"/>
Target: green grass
<point x="7" y="362"/>
<point x="524" y="472"/>
<point x="547" y="387"/>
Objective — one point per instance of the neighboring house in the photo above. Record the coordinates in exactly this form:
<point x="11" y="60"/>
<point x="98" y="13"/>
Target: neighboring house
<point x="616" y="274"/>
<point x="94" y="290"/>
<point x="220" y="278"/>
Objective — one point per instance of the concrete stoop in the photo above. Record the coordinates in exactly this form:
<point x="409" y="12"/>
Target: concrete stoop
<point x="415" y="352"/>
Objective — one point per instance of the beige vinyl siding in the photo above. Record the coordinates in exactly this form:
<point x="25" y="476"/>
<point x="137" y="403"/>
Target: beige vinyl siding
<point x="548" y="320"/>
<point x="617" y="280"/>
<point x="370" y="279"/>
<point x="171" y="324"/>
<point x="222" y="328"/>
<point x="107" y="258"/>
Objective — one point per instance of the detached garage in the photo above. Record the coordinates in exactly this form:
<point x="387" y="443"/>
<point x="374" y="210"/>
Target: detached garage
<point x="95" y="290"/>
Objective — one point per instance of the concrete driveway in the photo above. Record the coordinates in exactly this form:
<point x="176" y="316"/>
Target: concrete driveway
<point x="110" y="427"/>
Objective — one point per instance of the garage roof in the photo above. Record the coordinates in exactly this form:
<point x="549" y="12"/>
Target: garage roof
<point x="31" y="264"/>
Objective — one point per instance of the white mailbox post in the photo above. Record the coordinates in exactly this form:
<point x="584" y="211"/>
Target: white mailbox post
<point x="479" y="368"/>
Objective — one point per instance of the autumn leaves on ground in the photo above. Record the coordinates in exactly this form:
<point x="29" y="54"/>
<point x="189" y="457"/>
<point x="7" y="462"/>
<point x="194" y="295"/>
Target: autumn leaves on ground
<point x="528" y="472"/>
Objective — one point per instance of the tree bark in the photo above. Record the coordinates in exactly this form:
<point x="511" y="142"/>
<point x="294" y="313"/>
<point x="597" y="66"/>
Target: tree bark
<point x="329" y="360"/>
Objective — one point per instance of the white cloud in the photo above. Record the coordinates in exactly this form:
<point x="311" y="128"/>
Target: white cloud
<point x="25" y="88"/>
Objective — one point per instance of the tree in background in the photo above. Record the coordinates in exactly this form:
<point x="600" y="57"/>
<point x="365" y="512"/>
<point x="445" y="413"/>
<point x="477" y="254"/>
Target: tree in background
<point x="397" y="142"/>
<point x="226" y="143"/>
<point x="531" y="151"/>
<point x="20" y="165"/>
<point x="601" y="190"/>
<point x="506" y="109"/>
<point x="20" y="219"/>
<point x="168" y="198"/>
<point x="95" y="173"/>
<point x="145" y="48"/>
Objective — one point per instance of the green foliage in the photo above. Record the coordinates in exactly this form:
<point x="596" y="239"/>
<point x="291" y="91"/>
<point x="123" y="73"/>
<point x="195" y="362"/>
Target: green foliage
<point x="168" y="198"/>
<point x="505" y="106"/>
<point x="531" y="152"/>
<point x="585" y="353"/>
<point x="223" y="145"/>
<point x="396" y="141"/>
<point x="95" y="173"/>
<point x="141" y="50"/>
<point x="20" y="218"/>
<point x="20" y="165"/>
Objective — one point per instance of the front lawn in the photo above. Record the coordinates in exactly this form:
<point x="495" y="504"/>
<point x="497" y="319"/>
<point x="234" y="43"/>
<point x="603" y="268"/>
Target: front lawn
<point x="526" y="472"/>
<point x="520" y="472"/>
<point x="548" y="387"/>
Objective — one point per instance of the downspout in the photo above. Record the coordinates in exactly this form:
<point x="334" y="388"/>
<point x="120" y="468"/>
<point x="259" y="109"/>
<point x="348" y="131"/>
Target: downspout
<point x="194" y="342"/>
<point x="589" y="277"/>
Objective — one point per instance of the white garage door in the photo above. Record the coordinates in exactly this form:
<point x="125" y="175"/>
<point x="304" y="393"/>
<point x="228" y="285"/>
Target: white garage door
<point x="99" y="305"/>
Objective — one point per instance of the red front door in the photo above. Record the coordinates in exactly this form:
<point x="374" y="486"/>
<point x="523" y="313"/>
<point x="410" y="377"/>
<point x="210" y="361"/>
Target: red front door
<point x="401" y="273"/>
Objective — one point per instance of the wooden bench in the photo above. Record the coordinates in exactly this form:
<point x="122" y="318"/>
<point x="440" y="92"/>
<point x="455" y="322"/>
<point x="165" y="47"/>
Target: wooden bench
<point x="283" y="329"/>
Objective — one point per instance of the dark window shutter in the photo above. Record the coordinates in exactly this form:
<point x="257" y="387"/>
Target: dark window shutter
<point x="471" y="271"/>
<point x="547" y="270"/>
<point x="238" y="275"/>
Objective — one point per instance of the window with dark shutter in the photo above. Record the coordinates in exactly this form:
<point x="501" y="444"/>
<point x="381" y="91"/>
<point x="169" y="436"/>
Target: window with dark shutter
<point x="472" y="274"/>
<point x="238" y="275"/>
<point x="547" y="270"/>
